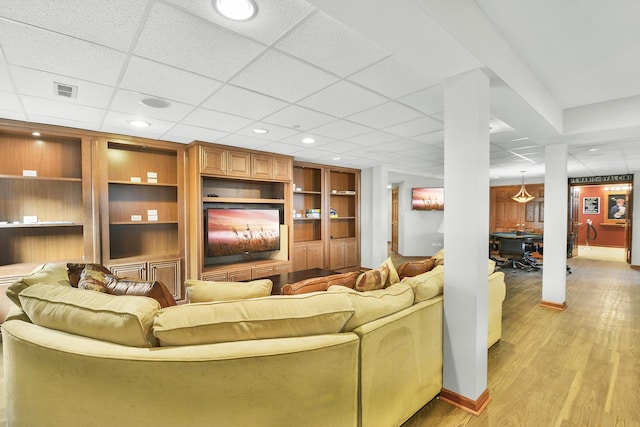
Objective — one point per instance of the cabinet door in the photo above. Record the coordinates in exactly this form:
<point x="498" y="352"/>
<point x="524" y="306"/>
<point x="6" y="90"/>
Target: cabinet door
<point x="134" y="271"/>
<point x="239" y="275"/>
<point x="262" y="166"/>
<point x="168" y="272"/>
<point x="299" y="257"/>
<point x="314" y="255"/>
<point x="336" y="257"/>
<point x="351" y="257"/>
<point x="282" y="168"/>
<point x="281" y="268"/>
<point x="238" y="163"/>
<point x="213" y="160"/>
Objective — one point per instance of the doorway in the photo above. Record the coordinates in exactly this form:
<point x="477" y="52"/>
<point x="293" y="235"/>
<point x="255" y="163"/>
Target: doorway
<point x="600" y="221"/>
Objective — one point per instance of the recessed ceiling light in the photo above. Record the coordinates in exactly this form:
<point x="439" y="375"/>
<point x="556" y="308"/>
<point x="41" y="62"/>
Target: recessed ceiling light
<point x="593" y="149"/>
<point x="337" y="158"/>
<point x="260" y="130"/>
<point x="520" y="139"/>
<point x="35" y="133"/>
<point x="238" y="10"/>
<point x="155" y="103"/>
<point x="308" y="140"/>
<point x="139" y="123"/>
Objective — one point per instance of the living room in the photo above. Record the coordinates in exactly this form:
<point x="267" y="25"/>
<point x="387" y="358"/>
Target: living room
<point x="364" y="84"/>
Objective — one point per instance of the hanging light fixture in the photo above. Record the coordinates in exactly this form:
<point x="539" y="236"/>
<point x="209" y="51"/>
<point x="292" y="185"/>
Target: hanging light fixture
<point x="523" y="196"/>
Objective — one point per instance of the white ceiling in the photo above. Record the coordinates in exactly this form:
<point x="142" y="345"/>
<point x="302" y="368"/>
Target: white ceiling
<point x="362" y="77"/>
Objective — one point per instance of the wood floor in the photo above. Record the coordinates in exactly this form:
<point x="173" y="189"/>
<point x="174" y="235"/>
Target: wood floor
<point x="577" y="367"/>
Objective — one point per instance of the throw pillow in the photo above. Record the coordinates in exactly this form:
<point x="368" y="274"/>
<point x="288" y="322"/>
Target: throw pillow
<point x="205" y="291"/>
<point x="51" y="273"/>
<point x="125" y="320"/>
<point x="413" y="268"/>
<point x="392" y="277"/>
<point x="94" y="278"/>
<point x="74" y="271"/>
<point x="372" y="279"/>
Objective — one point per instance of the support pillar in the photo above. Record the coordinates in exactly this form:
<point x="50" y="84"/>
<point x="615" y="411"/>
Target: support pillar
<point x="466" y="231"/>
<point x="556" y="200"/>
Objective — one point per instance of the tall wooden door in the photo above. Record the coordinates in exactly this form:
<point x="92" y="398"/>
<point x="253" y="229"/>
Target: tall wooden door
<point x="394" y="219"/>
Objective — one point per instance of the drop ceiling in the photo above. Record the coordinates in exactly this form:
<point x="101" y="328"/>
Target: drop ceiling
<point x="363" y="78"/>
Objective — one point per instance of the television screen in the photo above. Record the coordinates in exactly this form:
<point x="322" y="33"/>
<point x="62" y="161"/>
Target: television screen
<point x="242" y="231"/>
<point x="427" y="199"/>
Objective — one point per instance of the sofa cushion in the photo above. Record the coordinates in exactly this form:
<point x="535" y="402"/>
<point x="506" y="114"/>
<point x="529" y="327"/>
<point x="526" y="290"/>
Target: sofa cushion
<point x="492" y="266"/>
<point x="258" y="318"/>
<point x="74" y="271"/>
<point x="205" y="291"/>
<point x="372" y="305"/>
<point x="125" y="320"/>
<point x="372" y="279"/>
<point x="426" y="285"/>
<point x="438" y="257"/>
<point x="413" y="268"/>
<point x="316" y="284"/>
<point x="51" y="273"/>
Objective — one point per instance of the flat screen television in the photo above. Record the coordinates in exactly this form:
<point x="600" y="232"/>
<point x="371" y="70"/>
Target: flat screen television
<point x="427" y="199"/>
<point x="238" y="231"/>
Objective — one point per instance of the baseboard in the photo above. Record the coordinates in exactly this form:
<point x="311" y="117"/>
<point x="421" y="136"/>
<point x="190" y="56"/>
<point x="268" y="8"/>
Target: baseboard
<point x="554" y="305"/>
<point x="475" y="407"/>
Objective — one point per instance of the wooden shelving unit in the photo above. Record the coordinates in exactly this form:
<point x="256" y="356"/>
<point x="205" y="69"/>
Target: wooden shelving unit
<point x="142" y="204"/>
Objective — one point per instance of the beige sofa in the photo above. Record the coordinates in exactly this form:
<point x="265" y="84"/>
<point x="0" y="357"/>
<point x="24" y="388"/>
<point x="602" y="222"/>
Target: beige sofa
<point x="334" y="358"/>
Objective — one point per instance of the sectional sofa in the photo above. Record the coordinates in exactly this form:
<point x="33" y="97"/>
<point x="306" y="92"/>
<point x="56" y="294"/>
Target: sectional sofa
<point x="334" y="357"/>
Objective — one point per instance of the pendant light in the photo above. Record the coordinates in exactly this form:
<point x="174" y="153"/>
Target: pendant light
<point x="523" y="196"/>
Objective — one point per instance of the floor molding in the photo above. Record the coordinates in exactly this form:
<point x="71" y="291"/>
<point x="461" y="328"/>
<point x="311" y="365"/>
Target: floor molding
<point x="475" y="407"/>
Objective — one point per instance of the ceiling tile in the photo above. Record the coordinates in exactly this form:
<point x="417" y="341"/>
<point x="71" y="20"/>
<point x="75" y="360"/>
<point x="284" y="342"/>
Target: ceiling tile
<point x="43" y="50"/>
<point x="392" y="78"/>
<point x="373" y="138"/>
<point x="342" y="99"/>
<point x="194" y="133"/>
<point x="273" y="19"/>
<point x="312" y="154"/>
<point x="276" y="133"/>
<point x="10" y="102"/>
<point x="429" y="100"/>
<point x="341" y="147"/>
<point x="159" y="41"/>
<point x="296" y="140"/>
<point x="385" y="115"/>
<point x="244" y="142"/>
<point x="62" y="109"/>
<point x="327" y="43"/>
<point x="341" y="129"/>
<point x="215" y="120"/>
<point x="433" y="138"/>
<point x="113" y="23"/>
<point x="5" y="80"/>
<point x="299" y="117"/>
<point x="243" y="102"/>
<point x="281" y="148"/>
<point x="129" y="102"/>
<point x="40" y="84"/>
<point x="164" y="81"/>
<point x="119" y="123"/>
<point x="57" y="121"/>
<point x="416" y="127"/>
<point x="283" y="77"/>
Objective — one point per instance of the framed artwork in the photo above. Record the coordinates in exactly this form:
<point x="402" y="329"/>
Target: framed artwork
<point x="427" y="199"/>
<point x="616" y="203"/>
<point x="591" y="205"/>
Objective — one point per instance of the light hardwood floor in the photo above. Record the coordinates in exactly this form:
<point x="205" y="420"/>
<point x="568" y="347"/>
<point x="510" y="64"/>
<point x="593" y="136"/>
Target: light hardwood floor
<point x="577" y="367"/>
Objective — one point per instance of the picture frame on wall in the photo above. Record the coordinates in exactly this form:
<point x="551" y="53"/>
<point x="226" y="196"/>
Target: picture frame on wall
<point x="616" y="207"/>
<point x="591" y="205"/>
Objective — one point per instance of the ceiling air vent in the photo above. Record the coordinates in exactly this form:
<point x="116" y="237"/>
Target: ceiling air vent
<point x="62" y="89"/>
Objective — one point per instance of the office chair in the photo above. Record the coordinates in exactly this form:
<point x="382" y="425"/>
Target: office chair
<point x="516" y="254"/>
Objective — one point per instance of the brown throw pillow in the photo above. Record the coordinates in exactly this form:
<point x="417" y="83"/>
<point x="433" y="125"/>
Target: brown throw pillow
<point x="74" y="271"/>
<point x="413" y="268"/>
<point x="94" y="279"/>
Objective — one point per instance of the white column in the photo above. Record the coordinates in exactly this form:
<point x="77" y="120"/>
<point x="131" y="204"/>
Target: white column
<point x="374" y="217"/>
<point x="635" y="231"/>
<point x="466" y="233"/>
<point x="556" y="200"/>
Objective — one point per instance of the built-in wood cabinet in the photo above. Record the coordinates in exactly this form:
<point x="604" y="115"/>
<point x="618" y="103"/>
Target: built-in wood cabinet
<point x="142" y="211"/>
<point x="508" y="215"/>
<point x="221" y="177"/>
<point x="326" y="217"/>
<point x="46" y="207"/>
